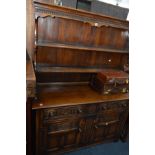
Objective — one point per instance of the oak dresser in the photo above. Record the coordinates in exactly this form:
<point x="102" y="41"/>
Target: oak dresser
<point x="70" y="47"/>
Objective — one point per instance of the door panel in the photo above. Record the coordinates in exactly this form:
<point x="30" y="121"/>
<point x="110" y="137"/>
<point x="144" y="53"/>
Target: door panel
<point x="59" y="135"/>
<point x="106" y="130"/>
<point x="87" y="130"/>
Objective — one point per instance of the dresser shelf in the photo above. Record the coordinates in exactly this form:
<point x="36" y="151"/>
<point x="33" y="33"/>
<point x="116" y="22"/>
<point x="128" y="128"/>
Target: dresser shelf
<point x="49" y="69"/>
<point x="84" y="48"/>
<point x="65" y="95"/>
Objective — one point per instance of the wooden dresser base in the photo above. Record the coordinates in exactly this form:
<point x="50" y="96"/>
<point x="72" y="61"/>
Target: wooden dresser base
<point x="75" y="119"/>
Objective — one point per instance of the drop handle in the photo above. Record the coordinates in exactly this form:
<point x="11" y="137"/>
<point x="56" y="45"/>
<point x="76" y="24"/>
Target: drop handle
<point x="51" y="114"/>
<point x="124" y="105"/>
<point x="127" y="81"/>
<point x="80" y="130"/>
<point x="124" y="90"/>
<point x="96" y="127"/>
<point x="79" y="110"/>
<point x="106" y="123"/>
<point x="104" y="107"/>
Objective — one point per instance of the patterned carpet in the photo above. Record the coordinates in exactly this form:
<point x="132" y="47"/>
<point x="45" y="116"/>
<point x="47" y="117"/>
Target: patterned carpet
<point x="117" y="148"/>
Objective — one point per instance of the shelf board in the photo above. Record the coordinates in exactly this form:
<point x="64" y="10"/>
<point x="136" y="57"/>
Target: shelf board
<point x="64" y="95"/>
<point x="85" y="48"/>
<point x="49" y="69"/>
<point x="45" y="69"/>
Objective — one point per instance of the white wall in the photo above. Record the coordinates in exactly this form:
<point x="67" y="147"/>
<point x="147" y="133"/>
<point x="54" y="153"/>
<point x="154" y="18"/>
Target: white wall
<point x="122" y="3"/>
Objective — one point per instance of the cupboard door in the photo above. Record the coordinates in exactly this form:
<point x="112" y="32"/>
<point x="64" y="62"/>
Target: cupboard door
<point x="108" y="126"/>
<point x="86" y="129"/>
<point x="62" y="140"/>
<point x="61" y="135"/>
<point x="106" y="130"/>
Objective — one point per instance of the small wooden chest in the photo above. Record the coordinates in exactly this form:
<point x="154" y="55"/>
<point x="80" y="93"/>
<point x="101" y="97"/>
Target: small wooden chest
<point x="110" y="82"/>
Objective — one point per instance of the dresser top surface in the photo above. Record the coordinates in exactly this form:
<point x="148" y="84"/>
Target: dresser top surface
<point x="62" y="95"/>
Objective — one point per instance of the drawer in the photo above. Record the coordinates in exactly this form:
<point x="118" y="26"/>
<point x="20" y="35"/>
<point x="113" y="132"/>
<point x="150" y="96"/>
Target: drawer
<point x="73" y="111"/>
<point x="109" y="116"/>
<point x="115" y="105"/>
<point x="63" y="125"/>
<point x="52" y="113"/>
<point x="89" y="109"/>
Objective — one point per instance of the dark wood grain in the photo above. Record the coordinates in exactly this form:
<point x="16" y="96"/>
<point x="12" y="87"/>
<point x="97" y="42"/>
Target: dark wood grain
<point x="110" y="81"/>
<point x="30" y="94"/>
<point x="30" y="28"/>
<point x="49" y="77"/>
<point x="46" y="9"/>
<point x="68" y="69"/>
<point x="87" y="37"/>
<point x="71" y="46"/>
<point x="84" y="48"/>
<point x="59" y="57"/>
<point x="65" y="128"/>
<point x="71" y="95"/>
<point x="30" y="79"/>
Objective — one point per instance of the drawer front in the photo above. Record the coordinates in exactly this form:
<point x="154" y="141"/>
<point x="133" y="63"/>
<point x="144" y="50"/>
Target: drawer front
<point x="63" y="125"/>
<point x="53" y="113"/>
<point x="114" y="105"/>
<point x="108" y="115"/>
<point x="89" y="109"/>
<point x="74" y="111"/>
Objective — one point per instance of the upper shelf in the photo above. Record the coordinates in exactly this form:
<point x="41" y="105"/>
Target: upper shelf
<point x="58" y="45"/>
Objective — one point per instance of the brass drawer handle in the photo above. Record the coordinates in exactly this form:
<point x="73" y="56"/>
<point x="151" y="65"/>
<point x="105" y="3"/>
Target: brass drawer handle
<point x="124" y="90"/>
<point x="127" y="81"/>
<point x="104" y="107"/>
<point x="51" y="113"/>
<point x="96" y="127"/>
<point x="80" y="130"/>
<point x="106" y="123"/>
<point x="124" y="105"/>
<point x="79" y="110"/>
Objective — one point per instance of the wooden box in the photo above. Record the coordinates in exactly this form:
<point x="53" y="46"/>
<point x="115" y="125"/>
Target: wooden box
<point x="110" y="82"/>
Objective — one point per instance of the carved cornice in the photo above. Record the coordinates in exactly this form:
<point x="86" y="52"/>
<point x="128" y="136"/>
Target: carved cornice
<point x="45" y="11"/>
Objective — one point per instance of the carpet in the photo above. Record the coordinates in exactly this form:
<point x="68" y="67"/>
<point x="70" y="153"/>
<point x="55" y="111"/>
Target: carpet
<point x="118" y="148"/>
